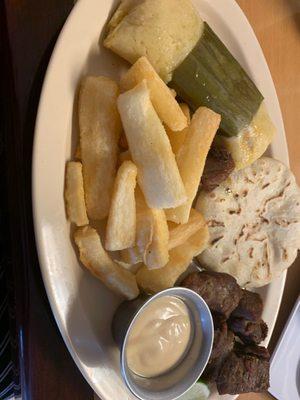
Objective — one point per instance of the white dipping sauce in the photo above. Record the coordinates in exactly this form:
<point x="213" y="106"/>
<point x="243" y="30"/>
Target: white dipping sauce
<point x="159" y="337"/>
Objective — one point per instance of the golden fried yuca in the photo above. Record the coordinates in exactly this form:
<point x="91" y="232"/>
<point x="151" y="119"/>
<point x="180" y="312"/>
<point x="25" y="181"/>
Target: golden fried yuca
<point x="161" y="97"/>
<point x="177" y="138"/>
<point x="144" y="231"/>
<point x="145" y="223"/>
<point x="152" y="236"/>
<point x="186" y="111"/>
<point x="165" y="31"/>
<point x="180" y="233"/>
<point x="100" y="127"/>
<point x="191" y="158"/>
<point x="157" y="254"/>
<point x="95" y="258"/>
<point x="74" y="194"/>
<point x="121" y="223"/>
<point x="153" y="281"/>
<point x="132" y="255"/>
<point x="251" y="143"/>
<point x="129" y="267"/>
<point x="150" y="148"/>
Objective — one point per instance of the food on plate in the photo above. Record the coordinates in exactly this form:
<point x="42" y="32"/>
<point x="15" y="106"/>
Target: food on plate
<point x="222" y="346"/>
<point x="129" y="266"/>
<point x="131" y="256"/>
<point x="211" y="76"/>
<point x="243" y="372"/>
<point x="154" y="237"/>
<point x="150" y="148"/>
<point x="201" y="69"/>
<point x="152" y="281"/>
<point x="218" y="166"/>
<point x="251" y="332"/>
<point x="177" y="137"/>
<point x="161" y="97"/>
<point x="252" y="141"/>
<point x="245" y="321"/>
<point x="144" y="231"/>
<point x="220" y="291"/>
<point x="253" y="349"/>
<point x="254" y="223"/>
<point x="180" y="233"/>
<point x="142" y="159"/>
<point x="159" y="337"/>
<point x="98" y="262"/>
<point x="165" y="31"/>
<point x="250" y="306"/>
<point x="191" y="158"/>
<point x="100" y="127"/>
<point x="74" y="194"/>
<point x="121" y="222"/>
<point x="137" y="227"/>
<point x="222" y="295"/>
<point x="157" y="253"/>
<point x="248" y="362"/>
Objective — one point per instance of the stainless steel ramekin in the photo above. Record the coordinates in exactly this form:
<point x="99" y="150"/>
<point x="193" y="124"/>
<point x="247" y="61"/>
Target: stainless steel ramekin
<point x="177" y="381"/>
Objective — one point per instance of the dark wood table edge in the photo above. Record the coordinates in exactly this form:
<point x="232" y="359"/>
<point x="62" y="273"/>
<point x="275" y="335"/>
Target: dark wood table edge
<point x="44" y="374"/>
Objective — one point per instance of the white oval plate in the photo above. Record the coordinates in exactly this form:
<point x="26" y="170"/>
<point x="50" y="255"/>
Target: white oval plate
<point x="82" y="306"/>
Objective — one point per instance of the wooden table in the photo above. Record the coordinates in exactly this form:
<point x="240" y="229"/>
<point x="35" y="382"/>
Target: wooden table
<point x="28" y="30"/>
<point x="277" y="27"/>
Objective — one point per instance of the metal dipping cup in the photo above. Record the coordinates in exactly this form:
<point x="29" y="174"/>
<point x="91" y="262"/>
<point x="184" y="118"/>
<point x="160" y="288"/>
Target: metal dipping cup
<point x="178" y="380"/>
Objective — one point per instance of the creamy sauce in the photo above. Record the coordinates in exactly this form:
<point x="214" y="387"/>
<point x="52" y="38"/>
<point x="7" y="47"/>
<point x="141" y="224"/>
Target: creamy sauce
<point x="159" y="338"/>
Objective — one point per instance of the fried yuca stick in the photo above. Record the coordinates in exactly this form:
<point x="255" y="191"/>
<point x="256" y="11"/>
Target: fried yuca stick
<point x="191" y="158"/>
<point x="161" y="97"/>
<point x="152" y="236"/>
<point x="144" y="231"/>
<point x="100" y="127"/>
<point x="121" y="223"/>
<point x="177" y="138"/>
<point x="150" y="148"/>
<point x="155" y="280"/>
<point x="96" y="259"/>
<point x="74" y="194"/>
<point x="133" y="268"/>
<point x="179" y="234"/>
<point x="132" y="255"/>
<point x="157" y="254"/>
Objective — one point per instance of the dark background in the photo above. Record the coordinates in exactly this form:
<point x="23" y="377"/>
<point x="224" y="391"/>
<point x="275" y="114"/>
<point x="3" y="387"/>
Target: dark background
<point x="28" y="33"/>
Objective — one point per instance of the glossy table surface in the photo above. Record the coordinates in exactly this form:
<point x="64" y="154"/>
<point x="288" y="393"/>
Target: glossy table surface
<point x="276" y="24"/>
<point x="28" y="30"/>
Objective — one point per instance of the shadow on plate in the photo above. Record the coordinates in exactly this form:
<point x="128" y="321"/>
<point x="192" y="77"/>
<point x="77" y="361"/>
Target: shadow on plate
<point x="101" y="61"/>
<point x="89" y="321"/>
